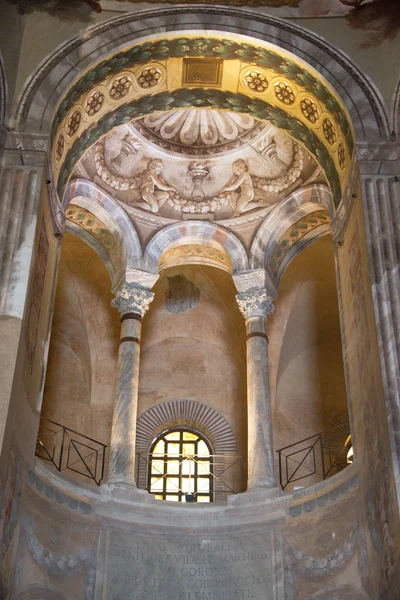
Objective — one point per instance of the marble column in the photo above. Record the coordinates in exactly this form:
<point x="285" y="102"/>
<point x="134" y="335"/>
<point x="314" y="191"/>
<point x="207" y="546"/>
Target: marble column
<point x="255" y="306"/>
<point x="132" y="302"/>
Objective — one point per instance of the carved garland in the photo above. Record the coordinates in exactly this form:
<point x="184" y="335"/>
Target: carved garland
<point x="188" y="206"/>
<point x="315" y="567"/>
<point x="281" y="183"/>
<point x="62" y="565"/>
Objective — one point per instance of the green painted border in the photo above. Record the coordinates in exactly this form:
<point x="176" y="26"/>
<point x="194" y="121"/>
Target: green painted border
<point x="202" y="98"/>
<point x="206" y="47"/>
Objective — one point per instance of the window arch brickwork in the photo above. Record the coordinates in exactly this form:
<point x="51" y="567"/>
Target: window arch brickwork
<point x="187" y="413"/>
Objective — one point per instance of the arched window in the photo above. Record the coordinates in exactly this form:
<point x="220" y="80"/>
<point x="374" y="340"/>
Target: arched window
<point x="180" y="467"/>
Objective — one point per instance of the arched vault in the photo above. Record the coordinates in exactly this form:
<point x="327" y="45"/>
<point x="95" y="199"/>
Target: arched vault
<point x="97" y="218"/>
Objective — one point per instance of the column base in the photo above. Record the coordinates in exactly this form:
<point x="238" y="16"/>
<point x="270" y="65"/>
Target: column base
<point x="255" y="495"/>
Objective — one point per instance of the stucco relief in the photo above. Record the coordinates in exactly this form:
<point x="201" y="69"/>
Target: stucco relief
<point x="303" y="569"/>
<point x="147" y="176"/>
<point x="198" y="132"/>
<point x="81" y="563"/>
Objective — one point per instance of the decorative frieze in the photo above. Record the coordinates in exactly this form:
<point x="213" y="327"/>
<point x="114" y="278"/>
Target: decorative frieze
<point x="255" y="303"/>
<point x="132" y="299"/>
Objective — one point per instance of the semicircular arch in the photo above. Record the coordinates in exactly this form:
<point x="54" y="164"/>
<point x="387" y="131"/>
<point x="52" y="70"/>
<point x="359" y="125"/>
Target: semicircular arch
<point x="396" y="111"/>
<point x="3" y="104"/>
<point x="42" y="91"/>
<point x="94" y="241"/>
<point x="188" y="413"/>
<point x="243" y="76"/>
<point x="195" y="231"/>
<point x="116" y="231"/>
<point x="301" y="218"/>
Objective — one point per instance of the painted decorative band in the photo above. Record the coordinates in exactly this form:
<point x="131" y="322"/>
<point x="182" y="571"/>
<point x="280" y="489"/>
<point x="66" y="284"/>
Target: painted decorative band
<point x="131" y="316"/>
<point x="257" y="334"/>
<point x="129" y="339"/>
<point x="211" y="47"/>
<point x="203" y="98"/>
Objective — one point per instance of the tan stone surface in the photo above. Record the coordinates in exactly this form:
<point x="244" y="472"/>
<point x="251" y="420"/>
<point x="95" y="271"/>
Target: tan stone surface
<point x="306" y="364"/>
<point x="80" y="383"/>
<point x="198" y="354"/>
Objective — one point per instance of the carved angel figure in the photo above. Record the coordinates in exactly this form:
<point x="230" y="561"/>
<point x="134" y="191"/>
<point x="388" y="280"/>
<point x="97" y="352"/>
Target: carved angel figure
<point x="241" y="181"/>
<point x="152" y="179"/>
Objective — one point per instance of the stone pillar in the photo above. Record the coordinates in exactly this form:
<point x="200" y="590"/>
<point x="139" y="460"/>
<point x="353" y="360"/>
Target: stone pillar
<point x="255" y="305"/>
<point x="132" y="302"/>
<point x="21" y="176"/>
<point x="381" y="200"/>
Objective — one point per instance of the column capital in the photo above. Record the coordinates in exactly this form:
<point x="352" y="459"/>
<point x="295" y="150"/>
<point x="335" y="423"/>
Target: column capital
<point x="255" y="303"/>
<point x="131" y="298"/>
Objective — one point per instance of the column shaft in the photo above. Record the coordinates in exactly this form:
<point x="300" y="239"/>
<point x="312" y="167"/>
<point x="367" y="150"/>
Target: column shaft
<point x="132" y="302"/>
<point x="255" y="305"/>
<point x="261" y="471"/>
<point x="123" y="433"/>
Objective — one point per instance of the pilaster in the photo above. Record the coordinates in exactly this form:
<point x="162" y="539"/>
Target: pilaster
<point x="381" y="197"/>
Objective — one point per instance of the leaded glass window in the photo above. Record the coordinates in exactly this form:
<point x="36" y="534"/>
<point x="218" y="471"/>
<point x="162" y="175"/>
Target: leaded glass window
<point x="180" y="467"/>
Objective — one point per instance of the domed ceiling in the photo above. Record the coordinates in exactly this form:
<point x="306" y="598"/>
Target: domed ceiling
<point x="194" y="163"/>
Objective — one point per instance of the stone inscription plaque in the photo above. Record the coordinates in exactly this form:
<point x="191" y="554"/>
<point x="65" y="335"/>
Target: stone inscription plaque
<point x="170" y="568"/>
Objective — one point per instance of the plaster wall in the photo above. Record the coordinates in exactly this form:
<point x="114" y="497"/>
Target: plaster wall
<point x="199" y="352"/>
<point x="80" y="382"/>
<point x="306" y="363"/>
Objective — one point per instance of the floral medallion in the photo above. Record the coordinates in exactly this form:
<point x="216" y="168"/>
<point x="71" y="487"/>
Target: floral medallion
<point x="329" y="131"/>
<point x="149" y="77"/>
<point x="256" y="81"/>
<point x="120" y="87"/>
<point x="94" y="103"/>
<point x="73" y="123"/>
<point x="284" y="93"/>
<point x="309" y="110"/>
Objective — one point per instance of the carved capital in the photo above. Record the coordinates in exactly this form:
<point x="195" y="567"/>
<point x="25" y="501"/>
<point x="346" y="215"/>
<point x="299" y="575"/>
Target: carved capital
<point x="255" y="303"/>
<point x="132" y="299"/>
